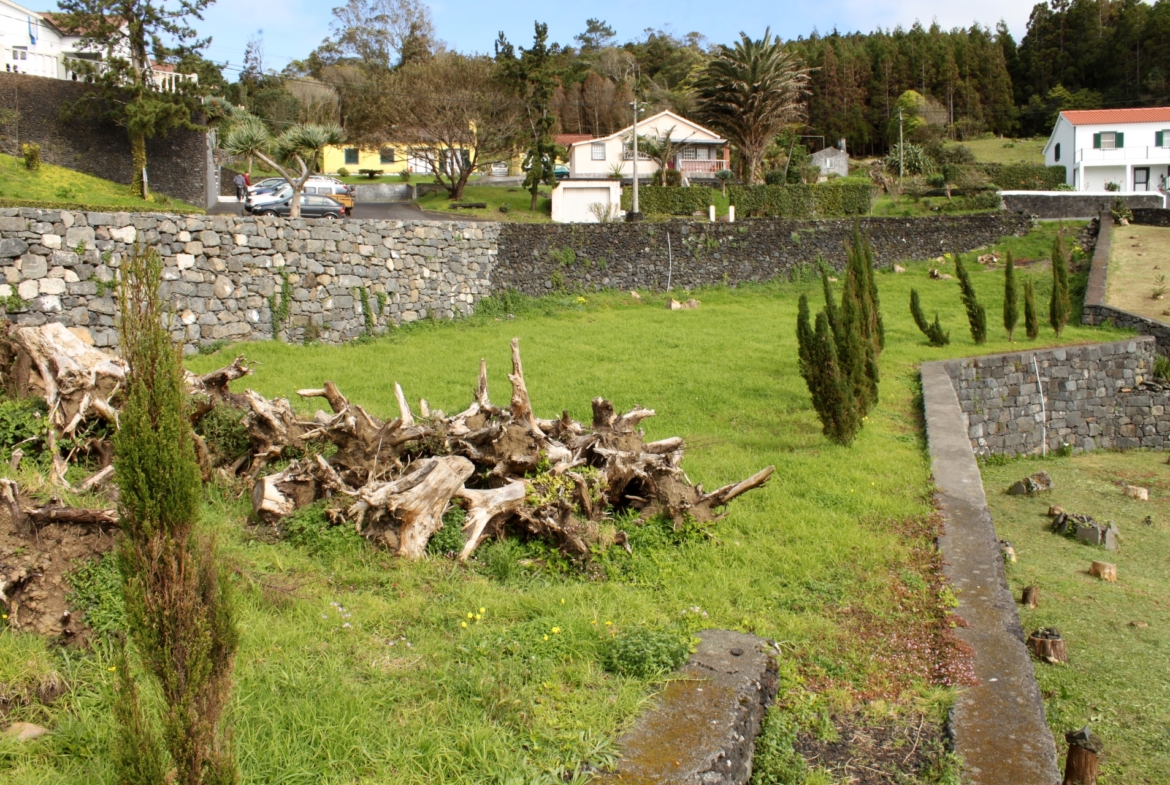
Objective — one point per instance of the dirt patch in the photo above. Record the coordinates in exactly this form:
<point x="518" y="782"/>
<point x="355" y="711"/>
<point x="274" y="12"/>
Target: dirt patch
<point x="33" y="572"/>
<point x="883" y="752"/>
<point x="1138" y="256"/>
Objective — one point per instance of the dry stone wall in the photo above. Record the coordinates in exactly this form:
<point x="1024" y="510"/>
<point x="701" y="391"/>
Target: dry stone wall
<point x="221" y="272"/>
<point x="1101" y="395"/>
<point x="538" y="259"/>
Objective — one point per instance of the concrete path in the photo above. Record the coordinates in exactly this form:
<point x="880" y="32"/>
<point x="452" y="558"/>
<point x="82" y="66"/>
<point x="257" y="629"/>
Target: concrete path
<point x="999" y="726"/>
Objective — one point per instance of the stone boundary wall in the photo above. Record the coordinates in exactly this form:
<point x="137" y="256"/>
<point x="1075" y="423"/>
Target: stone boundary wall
<point x="1071" y="204"/>
<point x="1087" y="397"/>
<point x="220" y="272"/>
<point x="537" y="259"/>
<point x="176" y="164"/>
<point x="1096" y="310"/>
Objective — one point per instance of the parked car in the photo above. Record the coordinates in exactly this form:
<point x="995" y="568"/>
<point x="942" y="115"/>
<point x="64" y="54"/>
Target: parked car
<point x="339" y="191"/>
<point x="312" y="206"/>
<point x="260" y="198"/>
<point x="560" y="171"/>
<point x="267" y="184"/>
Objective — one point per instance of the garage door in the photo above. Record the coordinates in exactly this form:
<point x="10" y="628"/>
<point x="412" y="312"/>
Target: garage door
<point x="577" y="201"/>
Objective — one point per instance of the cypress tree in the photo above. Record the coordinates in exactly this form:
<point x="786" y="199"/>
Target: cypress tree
<point x="859" y="254"/>
<point x="1031" y="318"/>
<point x="933" y="332"/>
<point x="1058" y="304"/>
<point x="178" y="606"/>
<point x="976" y="314"/>
<point x="1011" y="313"/>
<point x="841" y="419"/>
<point x="833" y="363"/>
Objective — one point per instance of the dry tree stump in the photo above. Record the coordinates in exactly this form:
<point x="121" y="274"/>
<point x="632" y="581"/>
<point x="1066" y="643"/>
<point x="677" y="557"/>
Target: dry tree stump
<point x="1048" y="645"/>
<point x="1031" y="596"/>
<point x="1104" y="570"/>
<point x="1081" y="767"/>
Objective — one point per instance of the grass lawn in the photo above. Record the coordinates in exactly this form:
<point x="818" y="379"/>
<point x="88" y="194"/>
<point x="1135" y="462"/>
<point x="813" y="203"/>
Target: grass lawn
<point x="994" y="150"/>
<point x="1139" y="261"/>
<point x="355" y="667"/>
<point x="1116" y="679"/>
<point x="56" y="187"/>
<point x="515" y="198"/>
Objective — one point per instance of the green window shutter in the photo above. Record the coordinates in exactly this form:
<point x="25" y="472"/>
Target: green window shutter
<point x="1158" y="138"/>
<point x="1120" y="140"/>
<point x="1096" y="141"/>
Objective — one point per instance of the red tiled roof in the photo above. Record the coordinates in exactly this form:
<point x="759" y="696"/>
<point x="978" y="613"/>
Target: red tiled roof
<point x="568" y="139"/>
<point x="1151" y="114"/>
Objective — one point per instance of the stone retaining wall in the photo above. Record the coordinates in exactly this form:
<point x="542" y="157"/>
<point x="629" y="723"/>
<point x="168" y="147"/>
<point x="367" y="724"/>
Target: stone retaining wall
<point x="221" y="272"/>
<point x="1096" y="310"/>
<point x="537" y="259"/>
<point x="1086" y="398"/>
<point x="1071" y="204"/>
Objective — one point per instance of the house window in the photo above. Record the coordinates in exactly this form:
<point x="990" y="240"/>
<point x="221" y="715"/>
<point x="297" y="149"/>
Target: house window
<point x="1108" y="140"/>
<point x="690" y="153"/>
<point x="20" y="53"/>
<point x="1162" y="138"/>
<point x="351" y="156"/>
<point x="1057" y="152"/>
<point x="386" y="155"/>
<point x="598" y="151"/>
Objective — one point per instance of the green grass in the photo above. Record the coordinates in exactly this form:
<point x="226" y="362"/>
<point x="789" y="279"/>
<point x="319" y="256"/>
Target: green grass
<point x="515" y="198"/>
<point x="1116" y="679"/>
<point x="994" y="150"/>
<point x="891" y="206"/>
<point x="333" y="693"/>
<point x="55" y="187"/>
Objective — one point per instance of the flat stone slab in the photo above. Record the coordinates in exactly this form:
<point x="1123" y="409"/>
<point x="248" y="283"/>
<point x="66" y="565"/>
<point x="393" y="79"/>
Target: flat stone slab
<point x="702" y="728"/>
<point x="999" y="725"/>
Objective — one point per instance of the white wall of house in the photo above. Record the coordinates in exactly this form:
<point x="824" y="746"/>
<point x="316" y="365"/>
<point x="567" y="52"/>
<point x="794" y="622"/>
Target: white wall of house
<point x="572" y="200"/>
<point x="28" y="44"/>
<point x="1128" y="154"/>
<point x="595" y="159"/>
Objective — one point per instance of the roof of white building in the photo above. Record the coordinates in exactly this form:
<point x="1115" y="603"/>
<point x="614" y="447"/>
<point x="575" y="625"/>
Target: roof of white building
<point x="647" y="121"/>
<point x="1150" y="114"/>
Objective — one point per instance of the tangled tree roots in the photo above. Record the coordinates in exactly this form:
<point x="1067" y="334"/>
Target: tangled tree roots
<point x="554" y="479"/>
<point x="558" y="480"/>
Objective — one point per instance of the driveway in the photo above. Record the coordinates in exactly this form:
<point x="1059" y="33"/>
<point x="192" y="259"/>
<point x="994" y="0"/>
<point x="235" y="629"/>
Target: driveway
<point x="378" y="211"/>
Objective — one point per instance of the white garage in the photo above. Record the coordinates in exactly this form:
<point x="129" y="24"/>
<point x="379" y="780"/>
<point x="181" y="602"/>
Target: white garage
<point x="580" y="201"/>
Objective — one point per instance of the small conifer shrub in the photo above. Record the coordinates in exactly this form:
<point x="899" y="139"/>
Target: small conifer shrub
<point x="1059" y="306"/>
<point x="1031" y="318"/>
<point x="1011" y="311"/>
<point x="933" y="331"/>
<point x="976" y="313"/>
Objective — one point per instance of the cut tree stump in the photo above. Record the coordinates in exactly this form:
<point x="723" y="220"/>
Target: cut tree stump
<point x="1048" y="645"/>
<point x="1104" y="570"/>
<point x="1031" y="596"/>
<point x="1081" y="766"/>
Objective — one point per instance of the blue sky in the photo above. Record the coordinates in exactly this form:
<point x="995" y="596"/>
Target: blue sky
<point x="292" y="28"/>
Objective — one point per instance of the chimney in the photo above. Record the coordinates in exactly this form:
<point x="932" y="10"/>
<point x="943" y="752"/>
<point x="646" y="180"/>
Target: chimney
<point x="841" y="144"/>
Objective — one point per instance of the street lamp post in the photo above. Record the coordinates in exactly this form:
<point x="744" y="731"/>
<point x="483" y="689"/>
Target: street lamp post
<point x="634" y="214"/>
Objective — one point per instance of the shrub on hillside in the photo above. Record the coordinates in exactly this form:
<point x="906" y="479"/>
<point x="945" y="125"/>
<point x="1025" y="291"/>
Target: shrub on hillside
<point x="933" y="331"/>
<point x="32" y="155"/>
<point x="645" y="651"/>
<point x="976" y="313"/>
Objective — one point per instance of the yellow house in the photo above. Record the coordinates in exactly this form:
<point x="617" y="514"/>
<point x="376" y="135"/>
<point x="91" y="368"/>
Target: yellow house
<point x="391" y="159"/>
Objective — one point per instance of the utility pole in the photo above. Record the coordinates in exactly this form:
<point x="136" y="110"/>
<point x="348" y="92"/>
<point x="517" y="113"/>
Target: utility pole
<point x="901" y="151"/>
<point x="634" y="214"/>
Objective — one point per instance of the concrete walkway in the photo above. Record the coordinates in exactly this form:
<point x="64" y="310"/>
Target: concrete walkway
<point x="999" y="726"/>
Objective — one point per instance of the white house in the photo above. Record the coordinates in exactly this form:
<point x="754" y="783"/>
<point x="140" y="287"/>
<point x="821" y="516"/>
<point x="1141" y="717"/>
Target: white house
<point x="1099" y="147"/>
<point x="38" y="44"/>
<point x="701" y="152"/>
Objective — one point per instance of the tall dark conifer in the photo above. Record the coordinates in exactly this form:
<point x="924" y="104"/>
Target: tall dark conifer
<point x="1031" y="317"/>
<point x="1011" y="311"/>
<point x="976" y="313"/>
<point x="1059" y="305"/>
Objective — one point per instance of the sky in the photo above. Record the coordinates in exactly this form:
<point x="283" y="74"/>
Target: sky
<point x="293" y="28"/>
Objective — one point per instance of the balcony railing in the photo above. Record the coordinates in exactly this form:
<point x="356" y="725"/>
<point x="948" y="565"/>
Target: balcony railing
<point x="708" y="166"/>
<point x="22" y="61"/>
<point x="1123" y="155"/>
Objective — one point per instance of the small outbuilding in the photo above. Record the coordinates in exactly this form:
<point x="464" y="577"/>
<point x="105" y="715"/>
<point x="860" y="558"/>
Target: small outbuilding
<point x="586" y="201"/>
<point x="832" y="160"/>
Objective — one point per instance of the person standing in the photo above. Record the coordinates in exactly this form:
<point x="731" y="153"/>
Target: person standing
<point x="241" y="187"/>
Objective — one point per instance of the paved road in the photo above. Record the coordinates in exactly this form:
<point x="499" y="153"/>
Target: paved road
<point x="383" y="211"/>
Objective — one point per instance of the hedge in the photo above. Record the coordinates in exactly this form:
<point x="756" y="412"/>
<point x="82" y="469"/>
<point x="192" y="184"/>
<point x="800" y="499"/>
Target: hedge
<point x="667" y="200"/>
<point x="830" y="199"/>
<point x="1025" y="177"/>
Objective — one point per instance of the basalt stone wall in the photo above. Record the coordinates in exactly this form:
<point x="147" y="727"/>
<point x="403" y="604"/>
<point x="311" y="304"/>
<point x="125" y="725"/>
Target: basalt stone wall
<point x="176" y="164"/>
<point x="1096" y="310"/>
<point x="1101" y="395"/>
<point x="1151" y="216"/>
<point x="536" y="259"/>
<point x="221" y="272"/>
<point x="1070" y="204"/>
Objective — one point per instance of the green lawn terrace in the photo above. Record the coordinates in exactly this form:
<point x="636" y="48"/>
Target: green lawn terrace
<point x="357" y="666"/>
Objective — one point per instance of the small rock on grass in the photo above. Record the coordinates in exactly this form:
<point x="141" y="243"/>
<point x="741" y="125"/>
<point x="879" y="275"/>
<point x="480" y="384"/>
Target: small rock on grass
<point x="899" y="268"/>
<point x="1140" y="494"/>
<point x="25" y="731"/>
<point x="1037" y="483"/>
<point x="1055" y="510"/>
<point x="1141" y="625"/>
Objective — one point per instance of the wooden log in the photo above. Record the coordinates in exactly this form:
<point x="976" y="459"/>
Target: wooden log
<point x="1104" y="570"/>
<point x="1031" y="596"/>
<point x="1047" y="645"/>
<point x="1081" y="765"/>
<point x="485" y="506"/>
<point x="414" y="504"/>
<point x="43" y="516"/>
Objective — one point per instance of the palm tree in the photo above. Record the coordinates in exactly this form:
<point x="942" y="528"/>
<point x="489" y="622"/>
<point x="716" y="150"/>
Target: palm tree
<point x="750" y="92"/>
<point x="299" y="146"/>
<point x="661" y="149"/>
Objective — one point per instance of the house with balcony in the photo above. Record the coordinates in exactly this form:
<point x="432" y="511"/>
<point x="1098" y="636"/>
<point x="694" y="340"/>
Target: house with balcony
<point x="701" y="152"/>
<point x="1122" y="150"/>
<point x="42" y="44"/>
